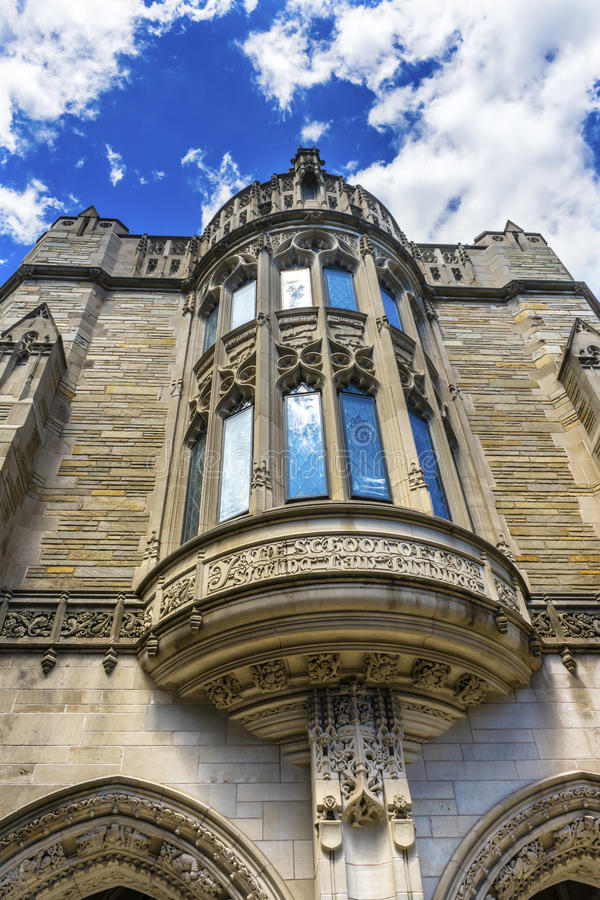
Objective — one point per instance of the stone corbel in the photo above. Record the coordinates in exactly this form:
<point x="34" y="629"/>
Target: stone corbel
<point x="402" y="826"/>
<point x="329" y="823"/>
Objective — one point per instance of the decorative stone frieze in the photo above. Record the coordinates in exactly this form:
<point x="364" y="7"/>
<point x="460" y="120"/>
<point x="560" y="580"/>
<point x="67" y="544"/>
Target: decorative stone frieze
<point x="223" y="692"/>
<point x="323" y="667"/>
<point x="430" y="674"/>
<point x="271" y="676"/>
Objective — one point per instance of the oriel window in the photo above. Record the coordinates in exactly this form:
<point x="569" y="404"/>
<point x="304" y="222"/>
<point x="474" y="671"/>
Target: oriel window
<point x="340" y="288"/>
<point x="306" y="476"/>
<point x="243" y="304"/>
<point x="366" y="464"/>
<point x="193" y="497"/>
<point x="295" y="288"/>
<point x="429" y="464"/>
<point x="236" y="462"/>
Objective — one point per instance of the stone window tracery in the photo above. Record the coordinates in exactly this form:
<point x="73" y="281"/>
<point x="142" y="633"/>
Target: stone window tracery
<point x="366" y="468"/>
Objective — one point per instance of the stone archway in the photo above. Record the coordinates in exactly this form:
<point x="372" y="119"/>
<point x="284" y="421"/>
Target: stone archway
<point x="112" y="832"/>
<point x="544" y="834"/>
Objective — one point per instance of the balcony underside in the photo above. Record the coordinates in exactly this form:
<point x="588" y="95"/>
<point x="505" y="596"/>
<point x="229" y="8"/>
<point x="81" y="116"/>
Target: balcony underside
<point x="257" y="615"/>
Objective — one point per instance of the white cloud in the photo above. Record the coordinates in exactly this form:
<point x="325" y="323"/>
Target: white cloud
<point x="23" y="213"/>
<point x="215" y="185"/>
<point x="116" y="164"/>
<point x="80" y="163"/>
<point x="313" y="131"/>
<point x="158" y="174"/>
<point x="3" y="262"/>
<point x="60" y="56"/>
<point x="495" y="131"/>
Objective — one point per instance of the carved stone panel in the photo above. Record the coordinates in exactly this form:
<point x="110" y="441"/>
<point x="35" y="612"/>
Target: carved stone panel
<point x="330" y="554"/>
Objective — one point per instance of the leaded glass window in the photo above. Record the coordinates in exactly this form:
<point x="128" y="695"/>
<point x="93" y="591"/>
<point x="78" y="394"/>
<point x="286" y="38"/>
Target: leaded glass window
<point x="295" y="288"/>
<point x="340" y="288"/>
<point x="429" y="464"/>
<point x="243" y="304"/>
<point x="390" y="306"/>
<point x="305" y="451"/>
<point x="191" y="515"/>
<point x="210" y="329"/>
<point x="366" y="464"/>
<point x="236" y="464"/>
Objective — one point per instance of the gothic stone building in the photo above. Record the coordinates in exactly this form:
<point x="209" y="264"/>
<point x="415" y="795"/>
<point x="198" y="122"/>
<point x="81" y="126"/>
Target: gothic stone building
<point x="300" y="560"/>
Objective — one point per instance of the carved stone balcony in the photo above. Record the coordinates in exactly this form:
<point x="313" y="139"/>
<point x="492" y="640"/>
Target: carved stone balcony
<point x="258" y="613"/>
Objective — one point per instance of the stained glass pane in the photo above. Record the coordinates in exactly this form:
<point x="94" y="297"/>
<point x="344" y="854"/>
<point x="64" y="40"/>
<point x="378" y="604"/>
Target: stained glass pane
<point x="191" y="516"/>
<point x="243" y="304"/>
<point x="210" y="329"/>
<point x="340" y="288"/>
<point x="305" y="454"/>
<point x="368" y="476"/>
<point x="295" y="288"/>
<point x="428" y="462"/>
<point x="390" y="305"/>
<point x="236" y="464"/>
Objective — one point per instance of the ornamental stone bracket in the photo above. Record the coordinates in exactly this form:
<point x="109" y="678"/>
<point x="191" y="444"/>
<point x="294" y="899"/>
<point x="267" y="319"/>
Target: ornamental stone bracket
<point x="257" y="620"/>
<point x="567" y="629"/>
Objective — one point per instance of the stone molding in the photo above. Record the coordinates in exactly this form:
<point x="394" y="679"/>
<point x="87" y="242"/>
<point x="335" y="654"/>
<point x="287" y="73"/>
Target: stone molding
<point x="122" y="830"/>
<point x="542" y="834"/>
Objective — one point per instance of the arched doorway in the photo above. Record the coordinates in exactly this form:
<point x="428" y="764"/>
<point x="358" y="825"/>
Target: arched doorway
<point x="121" y="839"/>
<point x="543" y="838"/>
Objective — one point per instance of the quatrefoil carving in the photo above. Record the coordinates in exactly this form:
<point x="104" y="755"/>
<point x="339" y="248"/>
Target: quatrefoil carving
<point x="353" y="364"/>
<point x="302" y="364"/>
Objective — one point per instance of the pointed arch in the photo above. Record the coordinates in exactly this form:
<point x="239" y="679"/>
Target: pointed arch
<point x="122" y="831"/>
<point x="537" y="837"/>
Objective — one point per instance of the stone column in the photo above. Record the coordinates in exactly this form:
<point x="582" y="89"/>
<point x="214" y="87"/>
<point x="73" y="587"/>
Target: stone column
<point x="361" y="802"/>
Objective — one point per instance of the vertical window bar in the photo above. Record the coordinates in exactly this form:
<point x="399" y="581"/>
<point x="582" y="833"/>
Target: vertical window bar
<point x="236" y="464"/>
<point x="306" y="476"/>
<point x="340" y="289"/>
<point x="243" y="304"/>
<point x="390" y="306"/>
<point x="295" y="288"/>
<point x="191" y="515"/>
<point x="367" y="469"/>
<point x="428" y="461"/>
<point x="210" y="329"/>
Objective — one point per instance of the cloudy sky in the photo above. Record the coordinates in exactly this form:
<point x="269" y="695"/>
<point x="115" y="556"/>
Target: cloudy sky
<point x="458" y="115"/>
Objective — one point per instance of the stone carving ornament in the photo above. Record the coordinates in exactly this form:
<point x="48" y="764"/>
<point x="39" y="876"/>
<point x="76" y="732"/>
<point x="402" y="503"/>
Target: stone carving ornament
<point x="87" y="623"/>
<point x="271" y="676"/>
<point x="356" y="737"/>
<point x="302" y="364"/>
<point x="159" y="843"/>
<point x="429" y="674"/>
<point x="28" y="623"/>
<point x="178" y="593"/>
<point x="223" y="692"/>
<point x="323" y="667"/>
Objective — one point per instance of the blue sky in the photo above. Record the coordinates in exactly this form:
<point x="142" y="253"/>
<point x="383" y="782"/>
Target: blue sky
<point x="458" y="115"/>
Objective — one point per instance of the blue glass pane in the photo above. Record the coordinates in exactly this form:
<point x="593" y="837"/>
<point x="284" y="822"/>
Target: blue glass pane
<point x="210" y="329"/>
<point x="368" y="476"/>
<point x="428" y="462"/>
<point x="390" y="305"/>
<point x="340" y="289"/>
<point x="305" y="455"/>
<point x="191" y="516"/>
<point x="243" y="304"/>
<point x="236" y="464"/>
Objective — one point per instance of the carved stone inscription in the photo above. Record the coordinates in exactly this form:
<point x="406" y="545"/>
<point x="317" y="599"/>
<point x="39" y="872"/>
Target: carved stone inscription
<point x="342" y="553"/>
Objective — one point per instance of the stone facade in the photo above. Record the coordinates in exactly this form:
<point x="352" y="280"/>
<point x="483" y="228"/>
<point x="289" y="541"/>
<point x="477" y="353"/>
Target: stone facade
<point x="238" y="667"/>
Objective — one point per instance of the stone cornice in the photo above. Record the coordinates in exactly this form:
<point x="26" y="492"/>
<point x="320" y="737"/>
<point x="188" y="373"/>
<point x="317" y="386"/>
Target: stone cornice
<point x="93" y="274"/>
